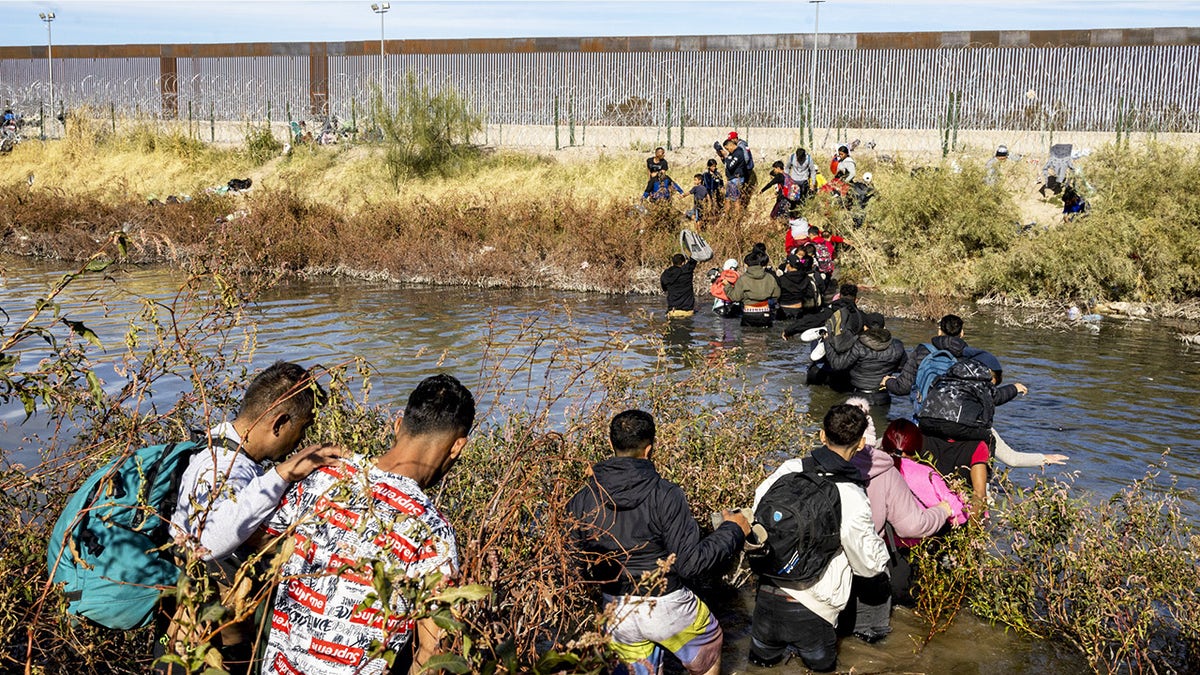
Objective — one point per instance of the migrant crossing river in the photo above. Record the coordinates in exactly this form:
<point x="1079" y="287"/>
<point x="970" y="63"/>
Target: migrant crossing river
<point x="1113" y="400"/>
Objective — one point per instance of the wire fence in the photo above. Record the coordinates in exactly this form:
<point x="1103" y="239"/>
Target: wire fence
<point x="1066" y="89"/>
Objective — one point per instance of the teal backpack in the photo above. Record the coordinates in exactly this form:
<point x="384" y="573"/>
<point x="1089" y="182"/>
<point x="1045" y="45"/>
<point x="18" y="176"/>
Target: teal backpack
<point x="108" y="548"/>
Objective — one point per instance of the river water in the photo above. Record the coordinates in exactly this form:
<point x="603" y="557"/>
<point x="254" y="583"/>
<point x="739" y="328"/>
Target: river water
<point x="1113" y="400"/>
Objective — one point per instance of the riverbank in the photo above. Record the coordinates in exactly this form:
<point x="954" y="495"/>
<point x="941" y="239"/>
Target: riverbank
<point x="568" y="220"/>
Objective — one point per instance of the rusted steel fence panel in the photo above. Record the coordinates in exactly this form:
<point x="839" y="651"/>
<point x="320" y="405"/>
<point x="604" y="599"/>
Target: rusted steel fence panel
<point x="752" y="81"/>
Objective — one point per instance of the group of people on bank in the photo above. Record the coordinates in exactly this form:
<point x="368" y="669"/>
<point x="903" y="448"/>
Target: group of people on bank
<point x="729" y="180"/>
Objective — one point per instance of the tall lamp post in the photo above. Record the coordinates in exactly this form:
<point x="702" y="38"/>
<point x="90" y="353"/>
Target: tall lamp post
<point x="48" y="17"/>
<point x="812" y="83"/>
<point x="381" y="9"/>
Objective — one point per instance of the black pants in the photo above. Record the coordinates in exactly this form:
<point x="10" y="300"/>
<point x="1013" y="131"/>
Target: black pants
<point x="781" y="625"/>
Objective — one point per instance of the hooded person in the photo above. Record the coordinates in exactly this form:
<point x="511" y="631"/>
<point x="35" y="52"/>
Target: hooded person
<point x="756" y="289"/>
<point x="798" y="290"/>
<point x="628" y="523"/>
<point x="872" y="356"/>
<point x="724" y="280"/>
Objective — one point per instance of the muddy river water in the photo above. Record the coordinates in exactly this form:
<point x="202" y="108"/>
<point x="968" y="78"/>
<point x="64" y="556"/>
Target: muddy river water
<point x="1114" y="400"/>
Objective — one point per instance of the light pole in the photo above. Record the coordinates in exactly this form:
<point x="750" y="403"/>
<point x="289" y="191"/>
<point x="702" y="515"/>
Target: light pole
<point x="381" y="9"/>
<point x="48" y="17"/>
<point x="812" y="82"/>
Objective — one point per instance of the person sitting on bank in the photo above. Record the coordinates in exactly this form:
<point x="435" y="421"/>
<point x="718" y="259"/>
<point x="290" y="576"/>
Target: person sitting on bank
<point x="677" y="282"/>
<point x="659" y="187"/>
<point x="658" y="163"/>
<point x="755" y="289"/>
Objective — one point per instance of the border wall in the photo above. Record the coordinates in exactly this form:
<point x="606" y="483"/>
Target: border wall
<point x="1086" y="80"/>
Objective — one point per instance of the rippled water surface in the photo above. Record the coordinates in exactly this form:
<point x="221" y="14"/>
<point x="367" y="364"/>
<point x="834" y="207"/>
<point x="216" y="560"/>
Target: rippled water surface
<point x="1114" y="401"/>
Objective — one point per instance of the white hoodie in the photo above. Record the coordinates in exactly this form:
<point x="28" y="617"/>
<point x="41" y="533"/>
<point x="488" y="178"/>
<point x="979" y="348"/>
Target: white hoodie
<point x="863" y="551"/>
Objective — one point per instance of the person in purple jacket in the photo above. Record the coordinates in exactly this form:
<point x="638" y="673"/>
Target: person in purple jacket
<point x="896" y="513"/>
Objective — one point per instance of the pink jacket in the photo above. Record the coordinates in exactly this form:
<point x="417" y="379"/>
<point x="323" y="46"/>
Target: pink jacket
<point x="893" y="502"/>
<point x="929" y="488"/>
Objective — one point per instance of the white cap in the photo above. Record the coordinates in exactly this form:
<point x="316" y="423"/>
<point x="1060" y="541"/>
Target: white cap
<point x="1002" y="151"/>
<point x="731" y="264"/>
<point x="867" y="177"/>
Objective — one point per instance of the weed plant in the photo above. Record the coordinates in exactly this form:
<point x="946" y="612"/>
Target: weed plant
<point x="425" y="133"/>
<point x="1119" y="580"/>
<point x="260" y="144"/>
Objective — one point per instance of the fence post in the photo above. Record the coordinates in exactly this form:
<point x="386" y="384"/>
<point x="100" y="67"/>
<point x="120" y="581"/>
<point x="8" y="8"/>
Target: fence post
<point x="112" y="113"/>
<point x="957" y="116"/>
<point x="571" y="120"/>
<point x="212" y="123"/>
<point x="353" y="119"/>
<point x="682" y="107"/>
<point x="268" y="114"/>
<point x="669" y="125"/>
<point x="946" y="124"/>
<point x="556" y="144"/>
<point x="190" y="120"/>
<point x="42" y="120"/>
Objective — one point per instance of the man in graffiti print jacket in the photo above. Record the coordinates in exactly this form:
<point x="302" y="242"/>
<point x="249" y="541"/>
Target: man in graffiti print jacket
<point x="361" y="518"/>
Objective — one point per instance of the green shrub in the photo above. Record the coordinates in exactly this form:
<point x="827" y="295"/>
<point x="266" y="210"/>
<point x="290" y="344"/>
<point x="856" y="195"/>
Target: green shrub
<point x="925" y="227"/>
<point x="425" y="133"/>
<point x="260" y="144"/>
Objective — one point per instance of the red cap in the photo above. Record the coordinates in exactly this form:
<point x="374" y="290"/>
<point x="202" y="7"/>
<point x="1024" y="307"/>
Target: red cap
<point x="733" y="135"/>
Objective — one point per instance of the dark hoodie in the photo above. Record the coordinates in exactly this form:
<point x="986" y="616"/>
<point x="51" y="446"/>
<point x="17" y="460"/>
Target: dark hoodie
<point x="875" y="354"/>
<point x="629" y="518"/>
<point x="679" y="286"/>
<point x="903" y="383"/>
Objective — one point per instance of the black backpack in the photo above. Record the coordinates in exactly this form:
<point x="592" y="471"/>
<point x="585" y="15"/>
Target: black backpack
<point x="802" y="514"/>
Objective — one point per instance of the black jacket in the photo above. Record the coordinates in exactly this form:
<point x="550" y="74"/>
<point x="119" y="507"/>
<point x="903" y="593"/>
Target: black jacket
<point x="875" y="354"/>
<point x="735" y="164"/>
<point x="966" y="396"/>
<point x="852" y="323"/>
<point x="677" y="283"/>
<point x="629" y="518"/>
<point x="903" y="383"/>
<point x="798" y="288"/>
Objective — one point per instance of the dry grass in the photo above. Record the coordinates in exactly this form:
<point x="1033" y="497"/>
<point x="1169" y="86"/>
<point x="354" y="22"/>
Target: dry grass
<point x="566" y="220"/>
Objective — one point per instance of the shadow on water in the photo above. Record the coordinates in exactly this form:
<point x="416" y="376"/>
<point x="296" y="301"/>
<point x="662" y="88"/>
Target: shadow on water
<point x="1113" y="401"/>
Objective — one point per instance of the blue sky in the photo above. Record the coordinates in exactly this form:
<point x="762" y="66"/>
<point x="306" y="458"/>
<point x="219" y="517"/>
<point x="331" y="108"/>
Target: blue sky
<point x="127" y="22"/>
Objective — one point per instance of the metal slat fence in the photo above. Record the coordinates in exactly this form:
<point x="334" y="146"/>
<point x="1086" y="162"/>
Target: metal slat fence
<point x="1154" y="88"/>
